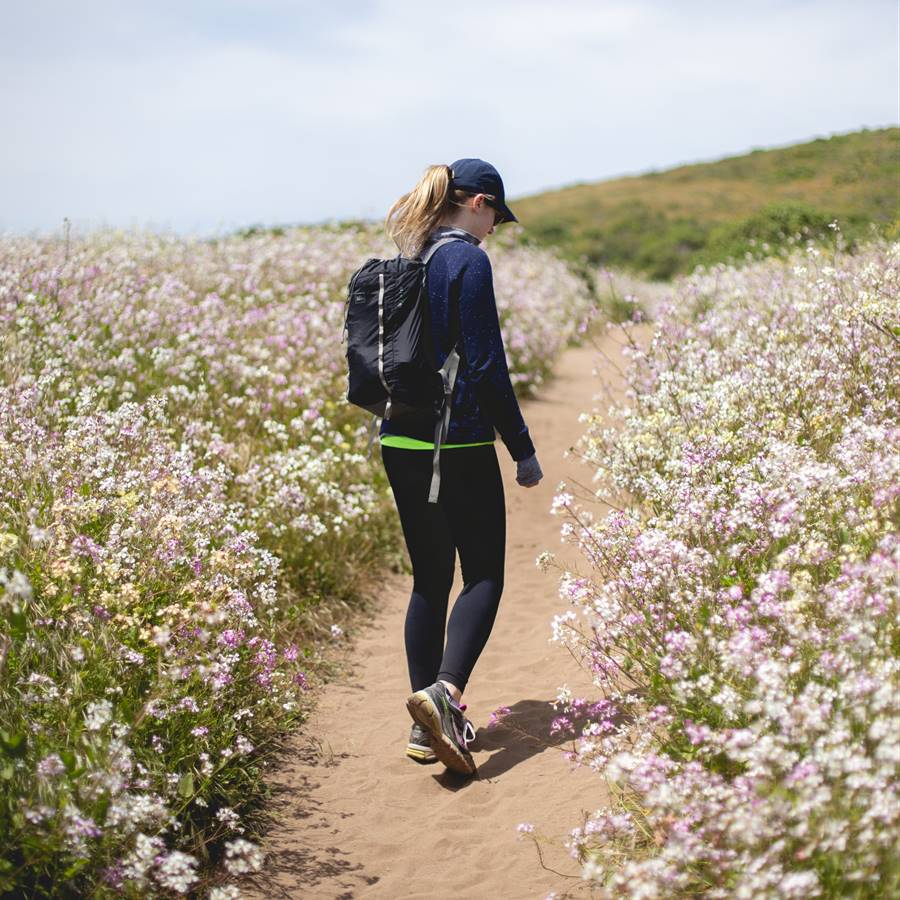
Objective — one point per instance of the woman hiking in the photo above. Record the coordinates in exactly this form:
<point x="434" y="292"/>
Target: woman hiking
<point x="466" y="201"/>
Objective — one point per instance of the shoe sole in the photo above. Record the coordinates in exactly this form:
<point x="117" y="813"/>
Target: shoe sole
<point x="421" y="754"/>
<point x="421" y="707"/>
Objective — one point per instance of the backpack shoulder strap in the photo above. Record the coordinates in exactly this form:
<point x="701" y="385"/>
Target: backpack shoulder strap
<point x="427" y="254"/>
<point x="448" y="375"/>
<point x="425" y="257"/>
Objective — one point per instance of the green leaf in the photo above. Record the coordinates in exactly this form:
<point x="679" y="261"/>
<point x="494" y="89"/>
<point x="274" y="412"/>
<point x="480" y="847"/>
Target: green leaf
<point x="7" y="772"/>
<point x="186" y="785"/>
<point x="75" y="868"/>
<point x="68" y="758"/>
<point x="17" y="624"/>
<point x="17" y="745"/>
<point x="101" y="808"/>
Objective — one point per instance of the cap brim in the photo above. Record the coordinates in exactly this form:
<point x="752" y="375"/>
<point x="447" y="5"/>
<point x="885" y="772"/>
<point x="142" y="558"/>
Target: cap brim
<point x="508" y="215"/>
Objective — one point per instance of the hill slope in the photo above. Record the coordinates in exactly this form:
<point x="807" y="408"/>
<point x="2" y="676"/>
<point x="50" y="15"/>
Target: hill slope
<point x="662" y="223"/>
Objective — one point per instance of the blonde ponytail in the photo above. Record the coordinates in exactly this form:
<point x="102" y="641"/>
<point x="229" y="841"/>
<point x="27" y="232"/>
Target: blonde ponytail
<point x="415" y="215"/>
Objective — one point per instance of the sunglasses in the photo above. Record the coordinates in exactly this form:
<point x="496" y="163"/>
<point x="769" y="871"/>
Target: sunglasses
<point x="498" y="215"/>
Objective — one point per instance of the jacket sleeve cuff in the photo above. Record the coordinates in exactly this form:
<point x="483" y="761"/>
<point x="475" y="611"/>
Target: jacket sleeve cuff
<point x="520" y="447"/>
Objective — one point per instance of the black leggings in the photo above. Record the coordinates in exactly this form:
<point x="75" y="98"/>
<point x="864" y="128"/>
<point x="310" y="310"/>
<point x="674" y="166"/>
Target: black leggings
<point x="470" y="516"/>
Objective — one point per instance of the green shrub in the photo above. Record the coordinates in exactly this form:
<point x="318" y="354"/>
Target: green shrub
<point x="671" y="252"/>
<point x="765" y="232"/>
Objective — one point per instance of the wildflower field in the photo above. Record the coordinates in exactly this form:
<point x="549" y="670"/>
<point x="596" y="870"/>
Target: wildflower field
<point x="187" y="518"/>
<point x="737" y="606"/>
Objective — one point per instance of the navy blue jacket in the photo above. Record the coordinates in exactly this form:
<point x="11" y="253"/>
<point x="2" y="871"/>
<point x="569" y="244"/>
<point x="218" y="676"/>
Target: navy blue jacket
<point x="460" y="273"/>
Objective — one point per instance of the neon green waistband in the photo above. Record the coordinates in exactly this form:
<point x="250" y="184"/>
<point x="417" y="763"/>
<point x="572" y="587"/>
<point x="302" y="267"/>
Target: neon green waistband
<point x="399" y="440"/>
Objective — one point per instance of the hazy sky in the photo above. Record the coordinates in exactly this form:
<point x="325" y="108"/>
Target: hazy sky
<point x="206" y="116"/>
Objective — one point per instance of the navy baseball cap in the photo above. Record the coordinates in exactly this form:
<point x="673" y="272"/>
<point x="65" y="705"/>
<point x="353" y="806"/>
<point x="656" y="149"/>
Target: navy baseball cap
<point x="481" y="177"/>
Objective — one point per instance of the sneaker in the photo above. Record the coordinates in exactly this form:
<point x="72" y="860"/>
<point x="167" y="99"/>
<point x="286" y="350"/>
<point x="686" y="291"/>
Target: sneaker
<point x="434" y="709"/>
<point x="419" y="746"/>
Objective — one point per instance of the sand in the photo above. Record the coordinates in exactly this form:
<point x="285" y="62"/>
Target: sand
<point x="357" y="818"/>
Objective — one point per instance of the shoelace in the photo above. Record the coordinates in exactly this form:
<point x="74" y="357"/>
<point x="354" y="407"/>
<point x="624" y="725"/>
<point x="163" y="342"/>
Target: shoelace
<point x="468" y="728"/>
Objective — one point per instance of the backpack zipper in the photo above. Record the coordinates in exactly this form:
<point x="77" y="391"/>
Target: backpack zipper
<point x="387" y="409"/>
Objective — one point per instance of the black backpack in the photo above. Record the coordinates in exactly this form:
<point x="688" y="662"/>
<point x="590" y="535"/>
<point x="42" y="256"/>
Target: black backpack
<point x="392" y="366"/>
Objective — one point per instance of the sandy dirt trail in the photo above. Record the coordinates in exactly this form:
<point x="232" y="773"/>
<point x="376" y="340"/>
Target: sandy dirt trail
<point x="356" y="817"/>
